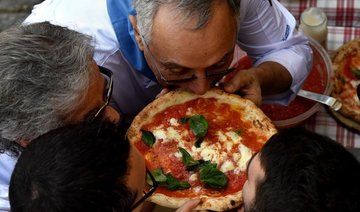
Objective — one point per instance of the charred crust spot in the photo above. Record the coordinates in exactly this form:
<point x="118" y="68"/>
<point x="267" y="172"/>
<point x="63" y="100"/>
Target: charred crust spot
<point x="232" y="202"/>
<point x="258" y="124"/>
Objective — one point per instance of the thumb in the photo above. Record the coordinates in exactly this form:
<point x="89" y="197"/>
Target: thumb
<point x="189" y="205"/>
<point x="162" y="92"/>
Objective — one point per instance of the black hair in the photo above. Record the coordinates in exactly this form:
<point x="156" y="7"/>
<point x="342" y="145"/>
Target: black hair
<point x="75" y="168"/>
<point x="305" y="171"/>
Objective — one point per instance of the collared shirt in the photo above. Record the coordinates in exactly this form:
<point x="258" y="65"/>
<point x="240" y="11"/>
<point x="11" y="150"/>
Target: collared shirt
<point x="266" y="33"/>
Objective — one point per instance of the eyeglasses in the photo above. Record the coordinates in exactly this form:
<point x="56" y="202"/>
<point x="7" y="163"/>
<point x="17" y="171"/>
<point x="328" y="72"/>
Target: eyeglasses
<point x="147" y="193"/>
<point x="108" y="89"/>
<point x="176" y="78"/>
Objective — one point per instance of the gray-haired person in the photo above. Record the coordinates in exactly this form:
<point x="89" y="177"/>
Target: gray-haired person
<point x="47" y="79"/>
<point x="151" y="45"/>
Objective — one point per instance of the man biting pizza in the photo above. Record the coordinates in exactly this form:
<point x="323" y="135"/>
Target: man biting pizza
<point x="298" y="170"/>
<point x="151" y="45"/>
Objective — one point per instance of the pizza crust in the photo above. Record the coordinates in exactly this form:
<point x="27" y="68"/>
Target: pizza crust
<point x="259" y="120"/>
<point x="206" y="203"/>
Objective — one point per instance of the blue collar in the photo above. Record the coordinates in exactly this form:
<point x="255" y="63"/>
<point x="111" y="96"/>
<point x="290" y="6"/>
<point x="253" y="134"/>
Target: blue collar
<point x="118" y="11"/>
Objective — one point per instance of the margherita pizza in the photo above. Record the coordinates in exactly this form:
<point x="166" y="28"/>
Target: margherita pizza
<point x="346" y="64"/>
<point x="198" y="146"/>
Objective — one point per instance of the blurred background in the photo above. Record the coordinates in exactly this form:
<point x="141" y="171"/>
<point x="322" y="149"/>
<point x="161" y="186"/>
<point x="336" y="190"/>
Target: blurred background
<point x="14" y="11"/>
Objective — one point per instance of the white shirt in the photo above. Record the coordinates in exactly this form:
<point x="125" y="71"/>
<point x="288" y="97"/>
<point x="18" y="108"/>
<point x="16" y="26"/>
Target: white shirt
<point x="7" y="165"/>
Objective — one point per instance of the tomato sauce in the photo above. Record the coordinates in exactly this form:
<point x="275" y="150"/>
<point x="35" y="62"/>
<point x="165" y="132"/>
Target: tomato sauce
<point x="220" y="117"/>
<point x="351" y="62"/>
<point x="315" y="82"/>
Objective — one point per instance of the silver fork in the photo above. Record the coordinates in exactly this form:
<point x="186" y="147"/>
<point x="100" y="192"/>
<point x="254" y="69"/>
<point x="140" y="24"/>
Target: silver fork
<point x="335" y="104"/>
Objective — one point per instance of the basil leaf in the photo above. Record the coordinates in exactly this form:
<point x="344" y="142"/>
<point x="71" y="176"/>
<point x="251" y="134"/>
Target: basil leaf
<point x="356" y="72"/>
<point x="198" y="125"/>
<point x="212" y="177"/>
<point x="205" y="163"/>
<point x="174" y="184"/>
<point x="148" y="138"/>
<point x="158" y="175"/>
<point x="195" y="168"/>
<point x="187" y="159"/>
<point x="238" y="132"/>
<point x="183" y="120"/>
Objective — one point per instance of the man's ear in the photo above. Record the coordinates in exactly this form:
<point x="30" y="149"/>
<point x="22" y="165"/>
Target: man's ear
<point x="24" y="143"/>
<point x="138" y="39"/>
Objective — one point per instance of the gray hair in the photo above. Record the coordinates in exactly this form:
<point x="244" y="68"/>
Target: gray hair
<point x="188" y="9"/>
<point x="44" y="74"/>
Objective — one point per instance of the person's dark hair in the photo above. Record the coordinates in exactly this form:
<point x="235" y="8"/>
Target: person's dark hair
<point x="44" y="74"/>
<point x="74" y="168"/>
<point x="305" y="171"/>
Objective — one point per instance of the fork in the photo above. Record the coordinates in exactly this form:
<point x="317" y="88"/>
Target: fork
<point x="335" y="104"/>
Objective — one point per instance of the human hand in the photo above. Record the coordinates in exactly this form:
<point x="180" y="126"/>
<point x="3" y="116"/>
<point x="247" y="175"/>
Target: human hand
<point x="241" y="209"/>
<point x="162" y="92"/>
<point x="246" y="83"/>
<point x="189" y="205"/>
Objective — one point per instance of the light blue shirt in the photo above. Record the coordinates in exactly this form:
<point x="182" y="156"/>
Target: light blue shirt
<point x="7" y="165"/>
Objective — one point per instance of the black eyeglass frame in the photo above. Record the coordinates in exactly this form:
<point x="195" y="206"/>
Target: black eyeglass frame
<point x="148" y="193"/>
<point x="108" y="89"/>
<point x="193" y="77"/>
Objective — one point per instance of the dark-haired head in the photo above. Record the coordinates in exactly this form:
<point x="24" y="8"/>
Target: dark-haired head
<point x="75" y="168"/>
<point x="304" y="171"/>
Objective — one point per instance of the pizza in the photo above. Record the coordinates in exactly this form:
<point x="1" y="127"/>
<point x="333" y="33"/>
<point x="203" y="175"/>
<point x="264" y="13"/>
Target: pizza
<point x="346" y="65"/>
<point x="198" y="146"/>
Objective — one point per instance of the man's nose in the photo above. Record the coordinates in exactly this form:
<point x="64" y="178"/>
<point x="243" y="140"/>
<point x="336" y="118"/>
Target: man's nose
<point x="200" y="84"/>
<point x="111" y="115"/>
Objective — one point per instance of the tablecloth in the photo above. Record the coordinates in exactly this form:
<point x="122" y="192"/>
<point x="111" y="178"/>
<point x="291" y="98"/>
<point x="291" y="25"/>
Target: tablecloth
<point x="343" y="13"/>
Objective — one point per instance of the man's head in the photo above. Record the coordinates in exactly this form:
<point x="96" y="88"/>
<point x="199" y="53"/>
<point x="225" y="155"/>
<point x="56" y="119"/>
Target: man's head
<point x="187" y="43"/>
<point x="47" y="79"/>
<point x="78" y="168"/>
<point x="298" y="170"/>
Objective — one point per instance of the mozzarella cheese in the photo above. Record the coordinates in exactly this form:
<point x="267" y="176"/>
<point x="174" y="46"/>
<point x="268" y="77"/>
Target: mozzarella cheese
<point x="189" y="111"/>
<point x="168" y="135"/>
<point x="210" y="154"/>
<point x="178" y="155"/>
<point x="193" y="177"/>
<point x="174" y="122"/>
<point x="246" y="154"/>
<point x="227" y="166"/>
<point x="197" y="189"/>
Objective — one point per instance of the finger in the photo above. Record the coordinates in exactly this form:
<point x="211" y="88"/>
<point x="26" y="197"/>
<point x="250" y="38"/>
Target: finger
<point x="241" y="209"/>
<point x="111" y="115"/>
<point x="240" y="81"/>
<point x="162" y="92"/>
<point x="188" y="206"/>
<point x="255" y="98"/>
